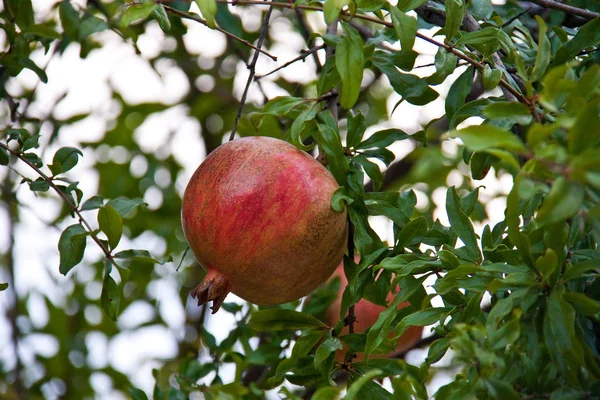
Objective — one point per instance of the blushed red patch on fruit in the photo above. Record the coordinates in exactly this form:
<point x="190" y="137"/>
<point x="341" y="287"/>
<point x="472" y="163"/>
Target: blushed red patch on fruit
<point x="258" y="211"/>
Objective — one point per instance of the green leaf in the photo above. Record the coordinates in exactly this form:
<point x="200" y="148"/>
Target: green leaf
<point x="372" y="170"/>
<point x="327" y="393"/>
<point x="39" y="185"/>
<point x="542" y="59"/>
<point x="408" y="5"/>
<point x="574" y="271"/>
<point x="349" y="61"/>
<point x="357" y="125"/>
<point x="71" y="247"/>
<point x="425" y="317"/>
<point x="332" y="8"/>
<point x="21" y="11"/>
<point x="329" y="140"/>
<point x="487" y="40"/>
<point x="69" y="19"/>
<point x="491" y="77"/>
<point x="280" y="319"/>
<point x="91" y="25"/>
<point x="160" y="14"/>
<point x="563" y="201"/>
<point x="340" y="198"/>
<point x="547" y="264"/>
<point x="29" y="64"/>
<point x="136" y="12"/>
<point x="445" y="64"/>
<point x="125" y="206"/>
<point x="208" y="8"/>
<point x="64" y="160"/>
<point x="137" y="394"/>
<point x="358" y="384"/>
<point x="455" y="12"/>
<point x="3" y="156"/>
<point x="437" y="350"/>
<point x="141" y="256"/>
<point x="459" y="91"/>
<point x="281" y="106"/>
<point x="481" y="9"/>
<point x="411" y="233"/>
<point x="92" y="203"/>
<point x="586" y="129"/>
<point x="470" y="109"/>
<point x="110" y="299"/>
<point x="111" y="223"/>
<point x="583" y="304"/>
<point x="485" y="136"/>
<point x="3" y="286"/>
<point x="384" y="138"/>
<point x="405" y="27"/>
<point x="461" y="224"/>
<point x="330" y="345"/>
<point x="587" y="36"/>
<point x="304" y="122"/>
<point x="509" y="110"/>
<point x="412" y="88"/>
<point x="501" y="390"/>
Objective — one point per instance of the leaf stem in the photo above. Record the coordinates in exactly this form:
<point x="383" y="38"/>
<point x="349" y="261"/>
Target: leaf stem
<point x="66" y="199"/>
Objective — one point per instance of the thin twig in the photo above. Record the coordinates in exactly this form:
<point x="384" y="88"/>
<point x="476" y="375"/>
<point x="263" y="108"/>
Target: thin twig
<point x="566" y="8"/>
<point x="66" y="200"/>
<point x="252" y="68"/>
<point x="301" y="57"/>
<point x="231" y="35"/>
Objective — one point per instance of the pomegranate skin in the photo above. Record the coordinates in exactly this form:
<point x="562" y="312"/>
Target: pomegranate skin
<point x="257" y="215"/>
<point x="366" y="315"/>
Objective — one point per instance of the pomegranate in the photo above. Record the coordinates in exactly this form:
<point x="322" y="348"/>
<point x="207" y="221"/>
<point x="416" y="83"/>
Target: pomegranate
<point x="366" y="314"/>
<point x="257" y="216"/>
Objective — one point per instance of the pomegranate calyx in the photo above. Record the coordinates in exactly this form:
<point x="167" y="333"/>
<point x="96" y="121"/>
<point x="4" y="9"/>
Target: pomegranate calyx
<point x="214" y="287"/>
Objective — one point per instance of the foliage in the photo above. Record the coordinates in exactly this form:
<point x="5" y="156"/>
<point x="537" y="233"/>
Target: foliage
<point x="515" y="304"/>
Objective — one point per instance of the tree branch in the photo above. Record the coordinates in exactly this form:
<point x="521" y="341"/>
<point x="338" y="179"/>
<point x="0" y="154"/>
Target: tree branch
<point x="566" y="8"/>
<point x="252" y="68"/>
<point x="229" y="34"/>
<point x="66" y="199"/>
<point x="301" y="57"/>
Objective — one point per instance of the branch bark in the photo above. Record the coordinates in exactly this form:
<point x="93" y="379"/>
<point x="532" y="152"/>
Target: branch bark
<point x="566" y="8"/>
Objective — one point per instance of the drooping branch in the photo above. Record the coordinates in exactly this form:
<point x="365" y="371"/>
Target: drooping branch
<point x="196" y="18"/>
<point x="252" y="71"/>
<point x="67" y="201"/>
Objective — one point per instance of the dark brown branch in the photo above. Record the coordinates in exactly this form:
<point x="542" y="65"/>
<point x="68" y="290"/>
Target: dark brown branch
<point x="252" y="69"/>
<point x="566" y="8"/>
<point x="301" y="57"/>
<point x="229" y="34"/>
<point x="67" y="201"/>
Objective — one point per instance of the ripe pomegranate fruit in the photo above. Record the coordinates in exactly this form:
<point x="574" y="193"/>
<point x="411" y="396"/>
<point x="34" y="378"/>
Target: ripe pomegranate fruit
<point x="366" y="314"/>
<point x="257" y="215"/>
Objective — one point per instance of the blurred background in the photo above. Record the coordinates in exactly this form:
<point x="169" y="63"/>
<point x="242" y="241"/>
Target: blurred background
<point x="145" y="110"/>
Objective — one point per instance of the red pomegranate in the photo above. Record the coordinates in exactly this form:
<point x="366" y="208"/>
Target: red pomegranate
<point x="257" y="216"/>
<point x="366" y="314"/>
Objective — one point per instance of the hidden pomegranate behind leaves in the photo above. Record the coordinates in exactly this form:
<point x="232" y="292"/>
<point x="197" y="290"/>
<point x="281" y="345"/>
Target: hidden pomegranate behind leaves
<point x="257" y="215"/>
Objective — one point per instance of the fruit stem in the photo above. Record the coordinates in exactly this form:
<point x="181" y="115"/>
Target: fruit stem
<point x="214" y="287"/>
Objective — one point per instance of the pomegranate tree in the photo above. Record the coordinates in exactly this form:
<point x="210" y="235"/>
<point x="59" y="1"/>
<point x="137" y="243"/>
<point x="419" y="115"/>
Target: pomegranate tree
<point x="257" y="215"/>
